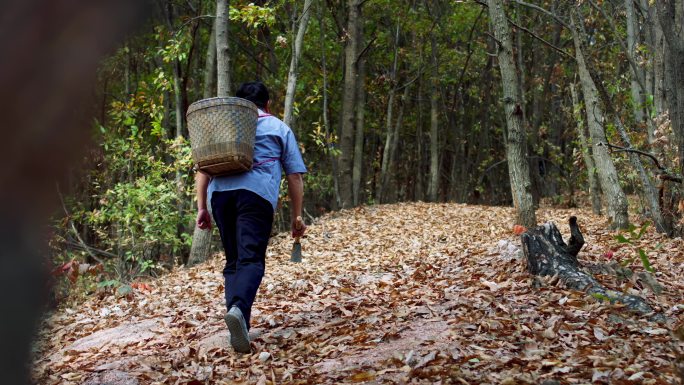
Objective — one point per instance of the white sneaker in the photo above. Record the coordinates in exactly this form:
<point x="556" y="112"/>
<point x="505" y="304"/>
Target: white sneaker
<point x="237" y="327"/>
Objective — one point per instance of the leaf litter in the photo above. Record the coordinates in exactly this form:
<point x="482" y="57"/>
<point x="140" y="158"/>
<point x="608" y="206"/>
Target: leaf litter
<point x="397" y="294"/>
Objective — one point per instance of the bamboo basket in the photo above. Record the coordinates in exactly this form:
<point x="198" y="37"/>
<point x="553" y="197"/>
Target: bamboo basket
<point x="222" y="132"/>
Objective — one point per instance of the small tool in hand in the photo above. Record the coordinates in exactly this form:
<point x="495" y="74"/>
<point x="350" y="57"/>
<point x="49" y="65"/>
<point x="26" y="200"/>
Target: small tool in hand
<point x="297" y="246"/>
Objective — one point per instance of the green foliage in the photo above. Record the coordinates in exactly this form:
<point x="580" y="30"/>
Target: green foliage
<point x="631" y="237"/>
<point x="604" y="298"/>
<point x="138" y="218"/>
<point x="254" y="16"/>
<point x="136" y="198"/>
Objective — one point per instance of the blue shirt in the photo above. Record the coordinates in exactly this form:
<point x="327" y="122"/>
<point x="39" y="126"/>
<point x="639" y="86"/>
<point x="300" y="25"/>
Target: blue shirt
<point x="275" y="149"/>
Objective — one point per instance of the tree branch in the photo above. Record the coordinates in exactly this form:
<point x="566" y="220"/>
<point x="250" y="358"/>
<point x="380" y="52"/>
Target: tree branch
<point x="73" y="228"/>
<point x="470" y="51"/>
<point x="625" y="49"/>
<point x="91" y="249"/>
<point x="559" y="50"/>
<point x="544" y="11"/>
<point x="662" y="174"/>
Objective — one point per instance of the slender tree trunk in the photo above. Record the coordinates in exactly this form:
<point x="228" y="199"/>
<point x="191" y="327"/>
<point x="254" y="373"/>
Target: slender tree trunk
<point x="420" y="189"/>
<point x="653" y="73"/>
<point x="592" y="177"/>
<point x="200" y="249"/>
<point x="181" y="227"/>
<point x="484" y="117"/>
<point x="608" y="178"/>
<point x="433" y="186"/>
<point x="657" y="50"/>
<point x="464" y="182"/>
<point x="210" y="65"/>
<point x="385" y="165"/>
<point x="351" y="53"/>
<point x="222" y="48"/>
<point x="671" y="17"/>
<point x="536" y="178"/>
<point x="177" y="77"/>
<point x="357" y="172"/>
<point x="326" y="123"/>
<point x="392" y="169"/>
<point x="127" y="75"/>
<point x="178" y="97"/>
<point x="632" y="41"/>
<point x="294" y="63"/>
<point x="381" y="189"/>
<point x="648" y="191"/>
<point x="516" y="152"/>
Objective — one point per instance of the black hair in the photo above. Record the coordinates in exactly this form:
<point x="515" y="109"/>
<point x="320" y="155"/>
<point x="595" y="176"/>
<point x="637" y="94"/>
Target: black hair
<point x="255" y="92"/>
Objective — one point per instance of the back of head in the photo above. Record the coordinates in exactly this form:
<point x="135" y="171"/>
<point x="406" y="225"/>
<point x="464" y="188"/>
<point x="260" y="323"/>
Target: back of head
<point x="255" y="92"/>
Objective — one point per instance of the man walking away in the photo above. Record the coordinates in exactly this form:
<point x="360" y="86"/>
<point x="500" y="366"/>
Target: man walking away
<point x="243" y="206"/>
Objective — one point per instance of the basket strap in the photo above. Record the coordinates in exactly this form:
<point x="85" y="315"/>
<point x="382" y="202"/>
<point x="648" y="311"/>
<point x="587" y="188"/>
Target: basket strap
<point x="264" y="116"/>
<point x="267" y="160"/>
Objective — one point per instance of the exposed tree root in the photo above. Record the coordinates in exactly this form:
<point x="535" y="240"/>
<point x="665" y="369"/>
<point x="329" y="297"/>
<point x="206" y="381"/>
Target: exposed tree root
<point x="548" y="255"/>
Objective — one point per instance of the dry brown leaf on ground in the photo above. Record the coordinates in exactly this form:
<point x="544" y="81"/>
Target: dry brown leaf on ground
<point x="405" y="293"/>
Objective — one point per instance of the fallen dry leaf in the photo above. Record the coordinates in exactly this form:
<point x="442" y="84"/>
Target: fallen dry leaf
<point x="381" y="299"/>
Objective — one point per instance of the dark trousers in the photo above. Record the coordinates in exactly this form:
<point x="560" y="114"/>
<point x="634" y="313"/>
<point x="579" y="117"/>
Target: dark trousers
<point x="244" y="220"/>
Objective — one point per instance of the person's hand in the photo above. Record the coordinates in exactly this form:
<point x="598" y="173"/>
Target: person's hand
<point x="203" y="219"/>
<point x="298" y="227"/>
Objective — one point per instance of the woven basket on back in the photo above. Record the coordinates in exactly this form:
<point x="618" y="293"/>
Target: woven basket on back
<point x="222" y="132"/>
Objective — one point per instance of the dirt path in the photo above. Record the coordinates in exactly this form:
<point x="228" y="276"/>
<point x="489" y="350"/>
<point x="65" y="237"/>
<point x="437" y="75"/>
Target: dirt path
<point x="407" y="293"/>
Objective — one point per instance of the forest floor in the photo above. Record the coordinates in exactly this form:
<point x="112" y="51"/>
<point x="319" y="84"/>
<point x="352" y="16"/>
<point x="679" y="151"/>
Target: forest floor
<point x="405" y="293"/>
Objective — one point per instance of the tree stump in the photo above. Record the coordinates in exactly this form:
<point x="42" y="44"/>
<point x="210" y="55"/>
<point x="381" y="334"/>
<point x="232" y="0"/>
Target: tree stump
<point x="548" y="255"/>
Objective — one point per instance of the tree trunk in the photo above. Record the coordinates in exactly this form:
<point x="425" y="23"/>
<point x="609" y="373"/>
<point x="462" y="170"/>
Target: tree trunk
<point x="548" y="255"/>
<point x="516" y="152"/>
<point x="326" y="123"/>
<point x="200" y="249"/>
<point x="433" y="186"/>
<point x="657" y="50"/>
<point x="392" y="168"/>
<point x="420" y="189"/>
<point x="592" y="177"/>
<point x="181" y="228"/>
<point x="357" y="172"/>
<point x="632" y="41"/>
<point x="381" y="189"/>
<point x="649" y="24"/>
<point x="210" y="65"/>
<point x="351" y="53"/>
<point x="294" y="63"/>
<point x="222" y="48"/>
<point x="648" y="191"/>
<point x="384" y="167"/>
<point x="608" y="178"/>
<point x="671" y="17"/>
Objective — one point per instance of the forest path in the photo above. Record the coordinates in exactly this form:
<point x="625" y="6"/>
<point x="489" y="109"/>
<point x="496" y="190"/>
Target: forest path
<point x="404" y="293"/>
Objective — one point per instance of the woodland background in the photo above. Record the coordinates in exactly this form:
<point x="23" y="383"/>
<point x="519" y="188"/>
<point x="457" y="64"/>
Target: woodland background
<point x="390" y="101"/>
